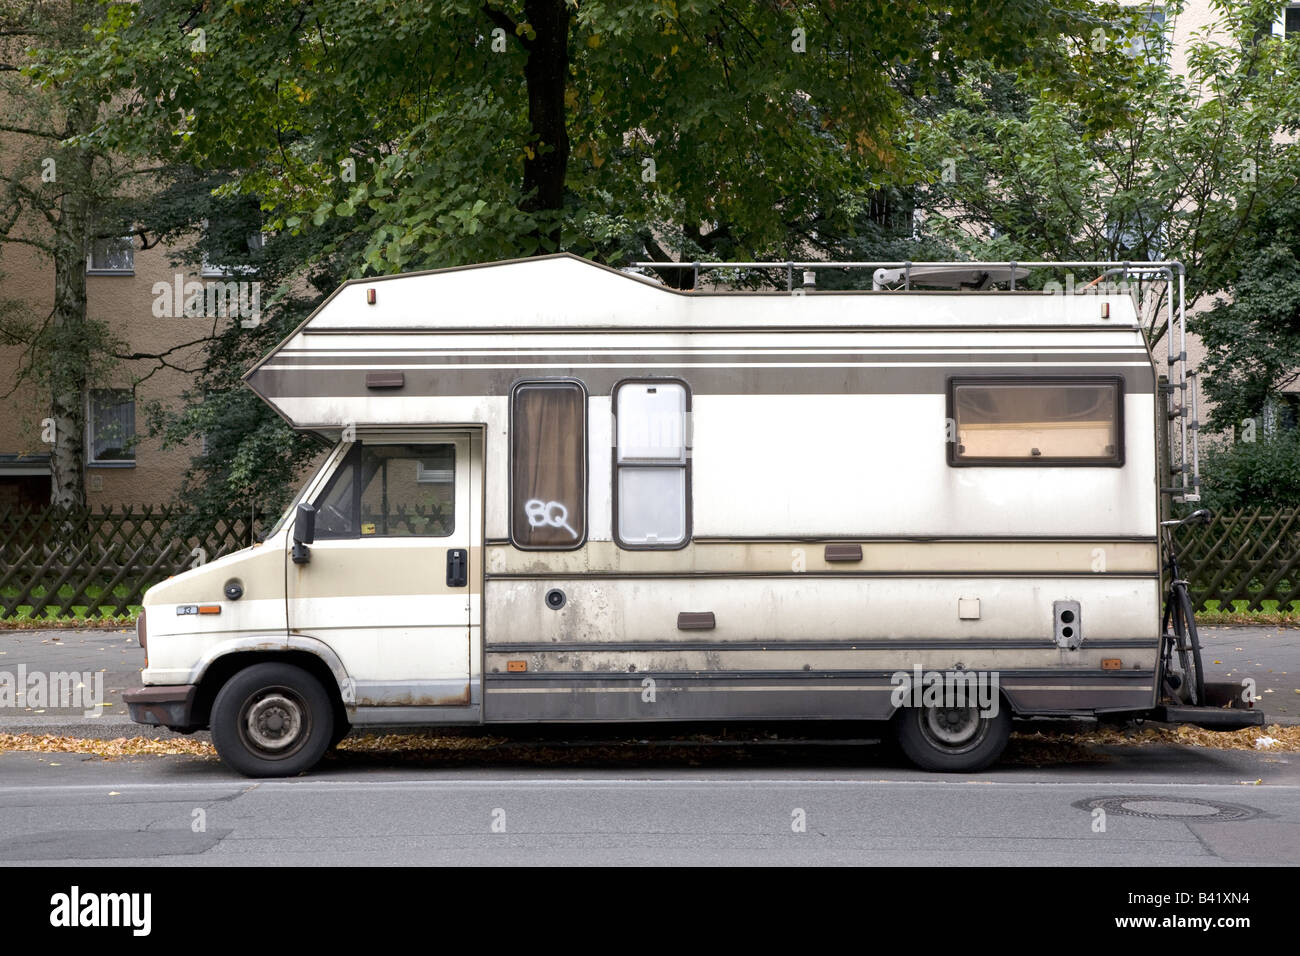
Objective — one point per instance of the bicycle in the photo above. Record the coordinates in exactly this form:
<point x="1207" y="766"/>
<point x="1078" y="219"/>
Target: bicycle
<point x="1186" y="681"/>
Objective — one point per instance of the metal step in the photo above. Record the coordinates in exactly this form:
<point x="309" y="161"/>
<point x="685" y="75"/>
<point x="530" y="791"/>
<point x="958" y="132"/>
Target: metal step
<point x="1210" y="718"/>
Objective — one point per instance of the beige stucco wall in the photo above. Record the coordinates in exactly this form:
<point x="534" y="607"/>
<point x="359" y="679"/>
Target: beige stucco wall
<point x="125" y="303"/>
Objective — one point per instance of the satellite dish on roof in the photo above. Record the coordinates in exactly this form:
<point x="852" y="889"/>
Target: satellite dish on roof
<point x="975" y="276"/>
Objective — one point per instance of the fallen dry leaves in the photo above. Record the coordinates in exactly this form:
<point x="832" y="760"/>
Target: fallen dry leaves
<point x="1025" y="747"/>
<point x="117" y="747"/>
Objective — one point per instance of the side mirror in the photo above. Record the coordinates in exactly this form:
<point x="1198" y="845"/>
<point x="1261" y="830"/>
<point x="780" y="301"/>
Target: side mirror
<point x="304" y="532"/>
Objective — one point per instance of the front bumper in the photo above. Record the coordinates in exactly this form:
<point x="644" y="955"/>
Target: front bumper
<point x="169" y="705"/>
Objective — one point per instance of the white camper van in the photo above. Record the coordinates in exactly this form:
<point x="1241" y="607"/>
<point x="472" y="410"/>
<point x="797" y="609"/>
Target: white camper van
<point x="562" y="493"/>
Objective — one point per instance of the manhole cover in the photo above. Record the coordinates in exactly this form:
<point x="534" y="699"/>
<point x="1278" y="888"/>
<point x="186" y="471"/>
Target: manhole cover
<point x="1164" y="808"/>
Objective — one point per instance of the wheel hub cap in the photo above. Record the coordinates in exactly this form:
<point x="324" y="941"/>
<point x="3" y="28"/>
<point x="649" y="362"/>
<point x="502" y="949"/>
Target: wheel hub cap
<point x="274" y="722"/>
<point x="953" y="725"/>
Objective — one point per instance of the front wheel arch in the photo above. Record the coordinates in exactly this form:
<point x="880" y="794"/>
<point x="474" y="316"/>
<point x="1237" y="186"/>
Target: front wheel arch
<point x="221" y="670"/>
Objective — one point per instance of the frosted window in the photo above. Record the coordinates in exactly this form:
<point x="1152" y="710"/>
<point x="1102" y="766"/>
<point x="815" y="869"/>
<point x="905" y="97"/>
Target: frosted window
<point x="651" y="470"/>
<point x="652" y="422"/>
<point x="652" y="506"/>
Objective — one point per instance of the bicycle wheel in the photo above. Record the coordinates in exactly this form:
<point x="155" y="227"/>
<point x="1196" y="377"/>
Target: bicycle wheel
<point x="1197" y="670"/>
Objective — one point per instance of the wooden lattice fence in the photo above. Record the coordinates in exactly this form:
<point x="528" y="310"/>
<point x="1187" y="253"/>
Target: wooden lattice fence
<point x="1251" y="556"/>
<point x="56" y="562"/>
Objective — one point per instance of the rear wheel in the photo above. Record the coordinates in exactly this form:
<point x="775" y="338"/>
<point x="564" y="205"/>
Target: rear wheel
<point x="1185" y="679"/>
<point x="272" y="720"/>
<point x="952" y="739"/>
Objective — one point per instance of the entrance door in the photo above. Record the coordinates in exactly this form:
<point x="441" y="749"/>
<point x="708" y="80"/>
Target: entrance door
<point x="387" y="584"/>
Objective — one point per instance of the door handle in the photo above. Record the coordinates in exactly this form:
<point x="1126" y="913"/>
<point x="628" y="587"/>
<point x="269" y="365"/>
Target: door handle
<point x="457" y="567"/>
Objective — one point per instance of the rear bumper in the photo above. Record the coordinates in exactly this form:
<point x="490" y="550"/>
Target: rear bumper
<point x="1211" y="718"/>
<point x="169" y="705"/>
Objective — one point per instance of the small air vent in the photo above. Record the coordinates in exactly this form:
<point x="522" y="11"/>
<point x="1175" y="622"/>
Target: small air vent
<point x="696" y="621"/>
<point x="843" y="552"/>
<point x="385" y="379"/>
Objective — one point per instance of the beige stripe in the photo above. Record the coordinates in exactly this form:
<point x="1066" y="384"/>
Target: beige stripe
<point x="766" y="557"/>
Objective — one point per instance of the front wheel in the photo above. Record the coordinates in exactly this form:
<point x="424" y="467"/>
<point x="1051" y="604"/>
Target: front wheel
<point x="272" y="720"/>
<point x="952" y="739"/>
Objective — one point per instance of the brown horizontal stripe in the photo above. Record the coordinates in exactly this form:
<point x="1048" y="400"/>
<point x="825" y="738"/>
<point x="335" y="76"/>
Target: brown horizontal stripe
<point x="822" y="379"/>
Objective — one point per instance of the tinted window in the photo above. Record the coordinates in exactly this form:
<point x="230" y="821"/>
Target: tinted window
<point x="1036" y="421"/>
<point x="548" y="481"/>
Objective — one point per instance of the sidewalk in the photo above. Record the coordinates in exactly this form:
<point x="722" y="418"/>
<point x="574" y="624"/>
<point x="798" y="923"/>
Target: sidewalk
<point x="112" y="651"/>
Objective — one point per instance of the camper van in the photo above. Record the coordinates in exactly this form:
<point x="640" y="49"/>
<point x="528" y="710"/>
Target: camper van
<point x="563" y="493"/>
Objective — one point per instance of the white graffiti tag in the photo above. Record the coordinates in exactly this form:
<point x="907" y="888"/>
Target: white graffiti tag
<point x="548" y="513"/>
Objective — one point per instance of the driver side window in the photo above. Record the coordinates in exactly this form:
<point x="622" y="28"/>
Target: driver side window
<point x="384" y="491"/>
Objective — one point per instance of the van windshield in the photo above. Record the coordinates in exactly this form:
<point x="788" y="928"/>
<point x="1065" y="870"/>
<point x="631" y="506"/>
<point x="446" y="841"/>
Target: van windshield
<point x="288" y="512"/>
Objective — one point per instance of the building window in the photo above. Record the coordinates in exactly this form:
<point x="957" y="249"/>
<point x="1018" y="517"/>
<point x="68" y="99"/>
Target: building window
<point x="390" y="491"/>
<point x="231" y="245"/>
<point x="1135" y="234"/>
<point x="651" y="465"/>
<point x="548" y="465"/>
<point x="1280" y="413"/>
<point x="1147" y="37"/>
<point x="115" y="255"/>
<point x="1287" y="22"/>
<point x="110" y="423"/>
<point x="1036" y="422"/>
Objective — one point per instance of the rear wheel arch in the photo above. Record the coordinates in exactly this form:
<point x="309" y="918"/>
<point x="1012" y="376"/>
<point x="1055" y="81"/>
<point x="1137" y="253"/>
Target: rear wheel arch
<point x="924" y="743"/>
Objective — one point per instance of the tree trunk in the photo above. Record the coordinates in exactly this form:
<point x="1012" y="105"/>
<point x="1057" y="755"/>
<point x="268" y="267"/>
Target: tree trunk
<point x="545" y="74"/>
<point x="67" y="339"/>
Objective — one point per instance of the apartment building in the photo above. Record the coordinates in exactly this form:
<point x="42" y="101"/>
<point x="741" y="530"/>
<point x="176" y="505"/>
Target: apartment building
<point x="143" y="298"/>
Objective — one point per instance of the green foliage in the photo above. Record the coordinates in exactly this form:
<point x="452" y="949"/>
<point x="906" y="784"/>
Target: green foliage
<point x="377" y="138"/>
<point x="1252" y="335"/>
<point x="1264" y="473"/>
<point x="1132" y="161"/>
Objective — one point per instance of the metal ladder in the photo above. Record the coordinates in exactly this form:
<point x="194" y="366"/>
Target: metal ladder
<point x="1184" y="441"/>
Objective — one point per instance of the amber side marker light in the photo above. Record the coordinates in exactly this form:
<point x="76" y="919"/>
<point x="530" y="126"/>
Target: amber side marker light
<point x="1111" y="664"/>
<point x="515" y="666"/>
<point x="209" y="608"/>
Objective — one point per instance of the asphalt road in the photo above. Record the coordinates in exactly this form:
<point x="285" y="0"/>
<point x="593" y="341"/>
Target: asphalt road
<point x="1168" y="806"/>
<point x="823" y="805"/>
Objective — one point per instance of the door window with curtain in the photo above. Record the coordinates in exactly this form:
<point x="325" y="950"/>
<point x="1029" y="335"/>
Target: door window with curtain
<point x="548" y="474"/>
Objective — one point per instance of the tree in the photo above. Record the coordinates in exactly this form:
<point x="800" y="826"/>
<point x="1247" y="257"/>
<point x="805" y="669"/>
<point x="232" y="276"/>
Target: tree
<point x="60" y="193"/>
<point x="1149" y="164"/>
<point x="377" y="139"/>
<point x="53" y="198"/>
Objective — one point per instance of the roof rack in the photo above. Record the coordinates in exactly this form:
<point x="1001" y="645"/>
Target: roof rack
<point x="1184" y="454"/>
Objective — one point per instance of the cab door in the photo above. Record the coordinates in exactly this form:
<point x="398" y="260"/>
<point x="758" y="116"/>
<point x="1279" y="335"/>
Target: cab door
<point x="387" y="580"/>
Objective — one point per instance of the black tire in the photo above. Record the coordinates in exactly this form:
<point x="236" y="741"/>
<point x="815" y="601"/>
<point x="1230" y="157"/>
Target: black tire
<point x="341" y="729"/>
<point x="1194" y="642"/>
<point x="915" y="730"/>
<point x="249" y="720"/>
